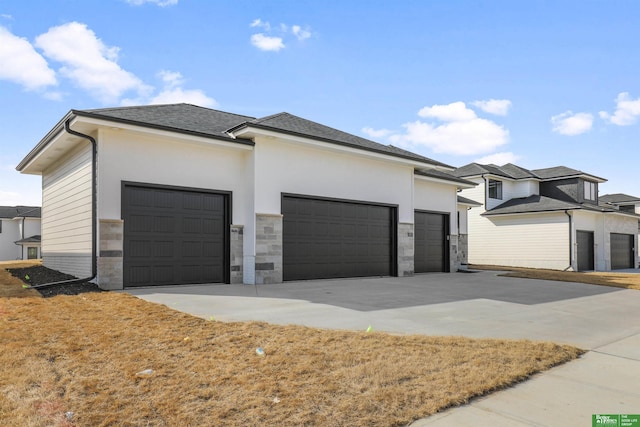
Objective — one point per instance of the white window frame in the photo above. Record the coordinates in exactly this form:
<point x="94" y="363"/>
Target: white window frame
<point x="497" y="185"/>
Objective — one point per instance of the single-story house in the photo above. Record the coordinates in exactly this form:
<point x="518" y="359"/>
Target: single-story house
<point x="178" y="194"/>
<point x="19" y="232"/>
<point x="546" y="218"/>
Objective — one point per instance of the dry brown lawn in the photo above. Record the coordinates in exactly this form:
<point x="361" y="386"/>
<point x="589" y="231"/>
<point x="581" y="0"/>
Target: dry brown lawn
<point x="81" y="354"/>
<point x="618" y="280"/>
<point x="12" y="286"/>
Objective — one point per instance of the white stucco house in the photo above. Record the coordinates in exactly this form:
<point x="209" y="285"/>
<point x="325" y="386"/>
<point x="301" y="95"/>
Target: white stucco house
<point x="177" y="194"/>
<point x="19" y="232"/>
<point x="546" y="218"/>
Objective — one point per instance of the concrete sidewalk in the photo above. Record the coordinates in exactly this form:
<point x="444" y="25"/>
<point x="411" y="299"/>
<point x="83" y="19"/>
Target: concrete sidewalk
<point x="605" y="321"/>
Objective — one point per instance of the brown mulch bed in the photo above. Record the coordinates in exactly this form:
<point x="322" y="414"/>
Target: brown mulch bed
<point x="38" y="275"/>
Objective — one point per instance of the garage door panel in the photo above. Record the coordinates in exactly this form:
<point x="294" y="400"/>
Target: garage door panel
<point x="173" y="236"/>
<point x="622" y="251"/>
<point x="430" y="244"/>
<point x="327" y="239"/>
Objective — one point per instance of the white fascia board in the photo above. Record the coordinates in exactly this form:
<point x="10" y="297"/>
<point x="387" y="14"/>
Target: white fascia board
<point x="361" y="152"/>
<point x="460" y="185"/>
<point x="558" y="211"/>
<point x="93" y="124"/>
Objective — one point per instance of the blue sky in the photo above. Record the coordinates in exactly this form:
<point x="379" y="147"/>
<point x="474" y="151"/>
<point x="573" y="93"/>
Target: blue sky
<point x="537" y="83"/>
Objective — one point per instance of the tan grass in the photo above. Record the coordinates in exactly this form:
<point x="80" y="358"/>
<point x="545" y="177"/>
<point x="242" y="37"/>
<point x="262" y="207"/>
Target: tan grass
<point x="618" y="280"/>
<point x="81" y="353"/>
<point x="12" y="286"/>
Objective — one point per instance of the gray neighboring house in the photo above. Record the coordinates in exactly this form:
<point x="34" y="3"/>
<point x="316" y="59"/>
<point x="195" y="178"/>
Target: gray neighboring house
<point x="623" y="202"/>
<point x="547" y="218"/>
<point x="178" y="194"/>
<point x="20" y="232"/>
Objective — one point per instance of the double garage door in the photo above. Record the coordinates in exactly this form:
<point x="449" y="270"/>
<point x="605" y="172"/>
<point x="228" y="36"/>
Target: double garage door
<point x="325" y="239"/>
<point x="174" y="236"/>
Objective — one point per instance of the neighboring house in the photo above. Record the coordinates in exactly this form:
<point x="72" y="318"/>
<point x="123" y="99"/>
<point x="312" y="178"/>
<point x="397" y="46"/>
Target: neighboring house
<point x="186" y="194"/>
<point x="19" y="232"/>
<point x="623" y="202"/>
<point x="546" y="218"/>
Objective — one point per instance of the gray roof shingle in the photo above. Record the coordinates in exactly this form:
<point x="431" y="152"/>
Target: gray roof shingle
<point x="187" y="118"/>
<point x="20" y="211"/>
<point x="447" y="176"/>
<point x="557" y="172"/>
<point x="537" y="203"/>
<point x="288" y="123"/>
<point x="619" y="198"/>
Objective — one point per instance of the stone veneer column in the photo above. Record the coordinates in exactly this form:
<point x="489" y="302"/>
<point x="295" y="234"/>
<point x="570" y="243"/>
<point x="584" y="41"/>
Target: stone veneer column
<point x="268" y="248"/>
<point x="406" y="250"/>
<point x="236" y="253"/>
<point x="463" y="245"/>
<point x="111" y="241"/>
<point x="453" y="253"/>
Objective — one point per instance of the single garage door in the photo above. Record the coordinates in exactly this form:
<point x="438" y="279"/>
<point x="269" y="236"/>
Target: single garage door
<point x="174" y="236"/>
<point x="585" y="250"/>
<point x="430" y="242"/>
<point x="622" y="251"/>
<point x="330" y="238"/>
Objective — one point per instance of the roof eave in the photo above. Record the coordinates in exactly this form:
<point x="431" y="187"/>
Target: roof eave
<point x="249" y="130"/>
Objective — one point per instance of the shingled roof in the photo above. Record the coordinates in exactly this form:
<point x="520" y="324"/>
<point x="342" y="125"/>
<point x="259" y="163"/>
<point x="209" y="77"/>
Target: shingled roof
<point x="537" y="203"/>
<point x="11" y="212"/>
<point x="191" y="119"/>
<point x="619" y="198"/>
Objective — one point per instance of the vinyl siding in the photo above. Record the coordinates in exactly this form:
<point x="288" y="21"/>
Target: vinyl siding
<point x="536" y="241"/>
<point x="66" y="213"/>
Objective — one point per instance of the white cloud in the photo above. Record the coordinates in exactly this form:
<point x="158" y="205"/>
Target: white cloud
<point x="21" y="63"/>
<point x="267" y="43"/>
<point x="454" y="112"/>
<point x="461" y="133"/>
<point x="627" y="111"/>
<point x="88" y="62"/>
<point x="499" y="158"/>
<point x="161" y="3"/>
<point x="273" y="38"/>
<point x="260" y="24"/>
<point x="376" y="133"/>
<point x="6" y="16"/>
<point x="173" y="92"/>
<point x="499" y="107"/>
<point x="569" y="123"/>
<point x="300" y="33"/>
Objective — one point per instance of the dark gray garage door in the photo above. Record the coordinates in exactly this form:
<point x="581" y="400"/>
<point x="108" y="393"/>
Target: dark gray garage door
<point x="329" y="239"/>
<point x="174" y="236"/>
<point x="430" y="242"/>
<point x="585" y="250"/>
<point x="622" y="251"/>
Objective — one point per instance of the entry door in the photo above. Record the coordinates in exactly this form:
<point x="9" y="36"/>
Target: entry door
<point x="430" y="242"/>
<point x="585" y="250"/>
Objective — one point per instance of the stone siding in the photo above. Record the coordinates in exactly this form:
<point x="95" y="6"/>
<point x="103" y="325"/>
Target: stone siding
<point x="406" y="250"/>
<point x="236" y="255"/>
<point x="463" y="258"/>
<point x="268" y="248"/>
<point x="110" y="254"/>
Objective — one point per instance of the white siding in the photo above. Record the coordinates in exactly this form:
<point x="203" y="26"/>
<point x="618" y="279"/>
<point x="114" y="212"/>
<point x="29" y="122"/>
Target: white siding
<point x="536" y="241"/>
<point x="300" y="169"/>
<point x="436" y="197"/>
<point x="66" y="213"/>
<point x="10" y="233"/>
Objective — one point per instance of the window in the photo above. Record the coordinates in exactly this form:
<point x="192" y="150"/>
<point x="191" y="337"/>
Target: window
<point x="590" y="190"/>
<point x="628" y="208"/>
<point x="495" y="189"/>
<point x="32" y="253"/>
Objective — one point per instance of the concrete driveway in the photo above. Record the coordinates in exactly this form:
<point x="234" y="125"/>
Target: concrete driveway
<point x="482" y="305"/>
